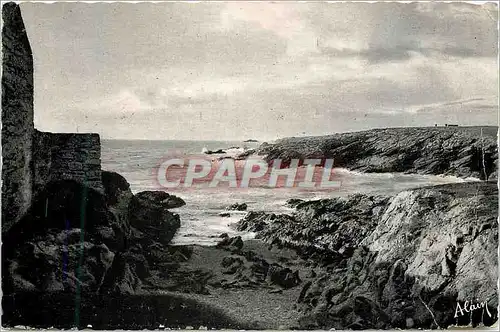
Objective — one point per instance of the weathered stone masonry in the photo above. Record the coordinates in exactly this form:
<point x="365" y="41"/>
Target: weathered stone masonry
<point x="31" y="158"/>
<point x="66" y="156"/>
<point x="17" y="116"/>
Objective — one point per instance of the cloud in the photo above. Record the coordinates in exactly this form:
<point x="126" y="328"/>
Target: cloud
<point x="228" y="70"/>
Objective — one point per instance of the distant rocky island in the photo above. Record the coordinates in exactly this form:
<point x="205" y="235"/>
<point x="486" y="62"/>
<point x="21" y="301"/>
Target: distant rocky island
<point x="251" y="141"/>
<point x="81" y="250"/>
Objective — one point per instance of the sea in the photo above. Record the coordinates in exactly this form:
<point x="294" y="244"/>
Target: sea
<point x="138" y="160"/>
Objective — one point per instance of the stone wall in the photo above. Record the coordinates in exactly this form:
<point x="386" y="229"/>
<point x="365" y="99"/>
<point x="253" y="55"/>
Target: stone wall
<point x="17" y="116"/>
<point x="67" y="156"/>
<point x="30" y="158"/>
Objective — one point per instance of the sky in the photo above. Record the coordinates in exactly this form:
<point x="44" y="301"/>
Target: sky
<point x="240" y="70"/>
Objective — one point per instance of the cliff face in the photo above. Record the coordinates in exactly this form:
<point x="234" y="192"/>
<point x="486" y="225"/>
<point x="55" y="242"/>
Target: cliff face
<point x="17" y="116"/>
<point x="458" y="151"/>
<point x="396" y="262"/>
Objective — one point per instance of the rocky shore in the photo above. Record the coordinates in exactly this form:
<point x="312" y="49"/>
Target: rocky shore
<point x="91" y="259"/>
<point x="358" y="262"/>
<point x="457" y="151"/>
<point x="393" y="262"/>
<point x="79" y="249"/>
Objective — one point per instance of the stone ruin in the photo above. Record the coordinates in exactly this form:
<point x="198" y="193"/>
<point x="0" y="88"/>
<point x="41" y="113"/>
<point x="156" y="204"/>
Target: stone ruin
<point x="31" y="158"/>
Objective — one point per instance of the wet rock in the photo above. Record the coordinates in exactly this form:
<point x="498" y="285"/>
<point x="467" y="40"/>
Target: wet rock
<point x="293" y="202"/>
<point x="326" y="230"/>
<point x="237" y="207"/>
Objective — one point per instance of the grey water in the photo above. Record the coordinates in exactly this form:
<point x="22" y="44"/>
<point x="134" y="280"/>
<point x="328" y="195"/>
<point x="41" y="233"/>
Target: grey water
<point x="201" y="224"/>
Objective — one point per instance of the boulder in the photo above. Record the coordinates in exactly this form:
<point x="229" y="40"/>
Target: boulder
<point x="232" y="243"/>
<point x="118" y="197"/>
<point x="126" y="274"/>
<point x="59" y="260"/>
<point x="62" y="205"/>
<point x="283" y="276"/>
<point x="161" y="198"/>
<point x="237" y="207"/>
<point x="149" y="213"/>
<point x="116" y="189"/>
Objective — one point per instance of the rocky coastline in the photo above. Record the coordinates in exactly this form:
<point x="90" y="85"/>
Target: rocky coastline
<point x="80" y="250"/>
<point x="458" y="151"/>
<point x="357" y="262"/>
<point x="393" y="262"/>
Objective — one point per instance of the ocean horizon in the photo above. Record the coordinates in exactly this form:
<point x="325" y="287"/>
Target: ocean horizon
<point x="201" y="222"/>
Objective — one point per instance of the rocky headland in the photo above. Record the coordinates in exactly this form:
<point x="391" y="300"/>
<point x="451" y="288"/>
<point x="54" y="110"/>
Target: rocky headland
<point x="457" y="151"/>
<point x="79" y="249"/>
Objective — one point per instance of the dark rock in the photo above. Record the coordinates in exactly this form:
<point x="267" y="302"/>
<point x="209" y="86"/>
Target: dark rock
<point x="125" y="274"/>
<point x="454" y="151"/>
<point x="255" y="221"/>
<point x="293" y="202"/>
<point x="219" y="151"/>
<point x="237" y="207"/>
<point x="283" y="277"/>
<point x="116" y="189"/>
<point x="62" y="205"/>
<point x="150" y="215"/>
<point x="328" y="229"/>
<point x="244" y="155"/>
<point x="225" y="214"/>
<point x="232" y="243"/>
<point x="161" y="198"/>
<point x="231" y="264"/>
<point x="118" y="196"/>
<point x="420" y="260"/>
<point x="66" y="241"/>
<point x="59" y="260"/>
